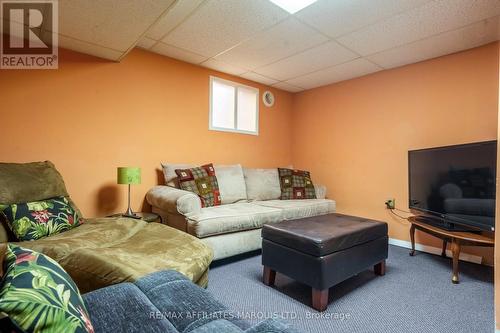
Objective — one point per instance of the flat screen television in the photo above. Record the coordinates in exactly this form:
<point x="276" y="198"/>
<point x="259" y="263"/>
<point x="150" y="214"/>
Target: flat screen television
<point x="455" y="186"/>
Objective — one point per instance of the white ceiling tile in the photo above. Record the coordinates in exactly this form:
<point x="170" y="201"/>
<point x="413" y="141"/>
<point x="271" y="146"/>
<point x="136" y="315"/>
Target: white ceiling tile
<point x="146" y="43"/>
<point x="338" y="17"/>
<point x="177" y="53"/>
<point x="287" y="87"/>
<point x="259" y="78"/>
<point x="430" y="19"/>
<point x="179" y="11"/>
<point x="345" y="71"/>
<point x="218" y="25"/>
<point x="322" y="56"/>
<point x="87" y="48"/>
<point x="474" y="35"/>
<point x="116" y="24"/>
<point x="282" y="40"/>
<point x="223" y="67"/>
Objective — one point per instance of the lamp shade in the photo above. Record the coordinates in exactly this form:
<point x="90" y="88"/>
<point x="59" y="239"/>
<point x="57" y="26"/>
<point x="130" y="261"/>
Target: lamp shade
<point x="128" y="175"/>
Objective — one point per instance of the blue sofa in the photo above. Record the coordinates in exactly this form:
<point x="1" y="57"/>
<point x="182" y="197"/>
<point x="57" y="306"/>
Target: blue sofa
<point x="166" y="302"/>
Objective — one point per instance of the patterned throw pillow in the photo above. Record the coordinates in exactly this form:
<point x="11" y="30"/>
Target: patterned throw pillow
<point x="38" y="219"/>
<point x="296" y="184"/>
<point x="39" y="296"/>
<point x="202" y="181"/>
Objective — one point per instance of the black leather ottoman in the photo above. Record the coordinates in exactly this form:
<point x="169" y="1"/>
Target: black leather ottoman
<point x="322" y="251"/>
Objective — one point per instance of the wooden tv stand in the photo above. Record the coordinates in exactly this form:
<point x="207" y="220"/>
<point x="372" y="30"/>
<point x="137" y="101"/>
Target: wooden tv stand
<point x="456" y="238"/>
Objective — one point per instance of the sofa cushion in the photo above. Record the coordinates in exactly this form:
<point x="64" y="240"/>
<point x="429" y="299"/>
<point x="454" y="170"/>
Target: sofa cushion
<point x="187" y="305"/>
<point x="262" y="184"/>
<point x="231" y="183"/>
<point x="107" y="251"/>
<point x="39" y="295"/>
<point x="219" y="326"/>
<point x="25" y="182"/>
<point x="272" y="326"/>
<point x="295" y="209"/>
<point x="296" y="184"/>
<point x="231" y="218"/>
<point x="124" y="308"/>
<point x="169" y="174"/>
<point x="38" y="219"/>
<point x="203" y="182"/>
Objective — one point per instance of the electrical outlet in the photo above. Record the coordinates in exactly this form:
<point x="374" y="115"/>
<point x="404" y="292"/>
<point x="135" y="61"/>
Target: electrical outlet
<point x="390" y="203"/>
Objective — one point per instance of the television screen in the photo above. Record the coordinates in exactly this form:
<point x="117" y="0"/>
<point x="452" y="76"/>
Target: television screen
<point x="455" y="183"/>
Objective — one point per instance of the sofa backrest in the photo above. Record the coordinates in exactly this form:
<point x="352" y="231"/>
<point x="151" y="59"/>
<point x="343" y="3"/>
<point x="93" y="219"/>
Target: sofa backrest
<point x="262" y="184"/>
<point x="229" y="177"/>
<point x="235" y="183"/>
<point x="25" y="182"/>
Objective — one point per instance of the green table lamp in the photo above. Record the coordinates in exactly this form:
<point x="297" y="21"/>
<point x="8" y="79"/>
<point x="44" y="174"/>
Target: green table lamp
<point x="129" y="175"/>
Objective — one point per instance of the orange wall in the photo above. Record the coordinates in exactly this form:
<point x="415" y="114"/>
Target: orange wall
<point x="90" y="116"/>
<point x="354" y="136"/>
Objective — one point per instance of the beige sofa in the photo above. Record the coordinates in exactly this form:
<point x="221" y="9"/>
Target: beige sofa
<point x="250" y="198"/>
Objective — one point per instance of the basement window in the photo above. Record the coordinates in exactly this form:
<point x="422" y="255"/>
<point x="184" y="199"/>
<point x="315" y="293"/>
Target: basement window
<point x="234" y="107"/>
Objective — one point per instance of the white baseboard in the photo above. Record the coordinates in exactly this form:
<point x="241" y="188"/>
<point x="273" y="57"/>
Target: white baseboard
<point x="434" y="250"/>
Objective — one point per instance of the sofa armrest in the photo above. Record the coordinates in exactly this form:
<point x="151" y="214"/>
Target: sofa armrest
<point x="174" y="200"/>
<point x="320" y="191"/>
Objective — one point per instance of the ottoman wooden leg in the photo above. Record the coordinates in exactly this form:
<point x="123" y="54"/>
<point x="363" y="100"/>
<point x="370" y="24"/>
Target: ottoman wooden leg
<point x="319" y="299"/>
<point x="380" y="268"/>
<point x="269" y="276"/>
<point x="455" y="249"/>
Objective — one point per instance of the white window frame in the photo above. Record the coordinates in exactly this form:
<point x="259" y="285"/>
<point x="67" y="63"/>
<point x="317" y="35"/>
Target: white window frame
<point x="236" y="85"/>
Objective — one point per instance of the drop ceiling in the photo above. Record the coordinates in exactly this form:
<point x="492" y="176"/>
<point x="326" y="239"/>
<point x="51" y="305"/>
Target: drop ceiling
<point x="326" y="42"/>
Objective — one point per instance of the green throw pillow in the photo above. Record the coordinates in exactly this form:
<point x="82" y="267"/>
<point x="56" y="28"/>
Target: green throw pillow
<point x="38" y="219"/>
<point x="38" y="295"/>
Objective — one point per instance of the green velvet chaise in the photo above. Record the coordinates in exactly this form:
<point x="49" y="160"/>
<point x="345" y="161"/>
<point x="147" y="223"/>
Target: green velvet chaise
<point x="102" y="251"/>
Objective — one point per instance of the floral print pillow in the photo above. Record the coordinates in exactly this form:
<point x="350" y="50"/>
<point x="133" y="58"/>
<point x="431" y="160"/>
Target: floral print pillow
<point x="39" y="296"/>
<point x="38" y="219"/>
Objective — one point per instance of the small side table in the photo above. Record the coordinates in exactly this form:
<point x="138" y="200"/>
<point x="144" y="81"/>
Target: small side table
<point x="456" y="238"/>
<point x="147" y="217"/>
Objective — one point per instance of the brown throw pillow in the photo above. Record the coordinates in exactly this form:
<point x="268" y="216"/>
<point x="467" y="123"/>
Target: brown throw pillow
<point x="202" y="181"/>
<point x="296" y="184"/>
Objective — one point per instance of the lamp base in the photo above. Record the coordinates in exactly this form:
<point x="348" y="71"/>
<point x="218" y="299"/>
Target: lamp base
<point x="133" y="216"/>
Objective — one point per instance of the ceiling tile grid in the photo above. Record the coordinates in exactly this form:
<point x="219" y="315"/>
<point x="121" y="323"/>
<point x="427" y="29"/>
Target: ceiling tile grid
<point x="471" y="36"/>
<point x="287" y="87"/>
<point x="259" y="78"/>
<point x="339" y="17"/>
<point x="325" y="55"/>
<point x="177" y="53"/>
<point x="422" y="22"/>
<point x="115" y="25"/>
<point x="225" y="67"/>
<point x="345" y="71"/>
<point x="218" y="25"/>
<point x="174" y="17"/>
<point x="326" y="42"/>
<point x="285" y="38"/>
